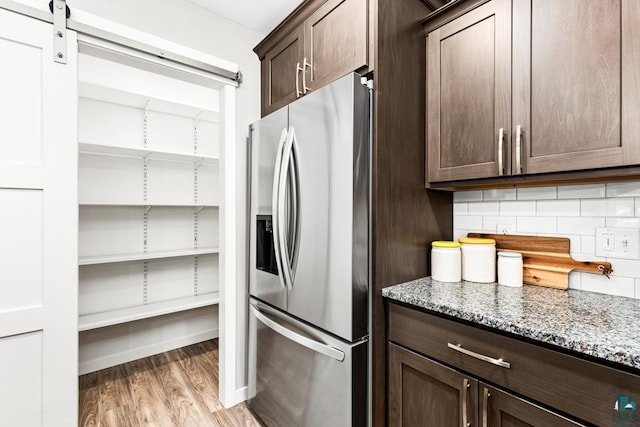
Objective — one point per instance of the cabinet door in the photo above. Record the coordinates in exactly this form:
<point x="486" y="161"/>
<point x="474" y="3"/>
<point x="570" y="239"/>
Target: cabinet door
<point x="279" y="69"/>
<point x="500" y="409"/>
<point x="335" y="41"/>
<point x="468" y="94"/>
<point x="576" y="83"/>
<point x="425" y="393"/>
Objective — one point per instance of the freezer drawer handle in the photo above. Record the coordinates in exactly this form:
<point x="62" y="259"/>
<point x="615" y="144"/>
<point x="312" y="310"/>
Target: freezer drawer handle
<point x="295" y="337"/>
<point x="498" y="362"/>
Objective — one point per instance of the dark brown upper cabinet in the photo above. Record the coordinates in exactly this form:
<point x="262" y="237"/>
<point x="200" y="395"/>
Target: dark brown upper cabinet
<point x="280" y="71"/>
<point x="468" y="102"/>
<point x="561" y="79"/>
<point x="323" y="41"/>
<point x="335" y="41"/>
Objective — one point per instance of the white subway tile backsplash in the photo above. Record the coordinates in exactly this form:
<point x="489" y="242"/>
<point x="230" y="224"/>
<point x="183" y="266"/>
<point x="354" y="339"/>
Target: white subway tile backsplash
<point x="580" y="225"/>
<point x="457" y="234"/>
<point x="572" y="211"/>
<point x="517" y="208"/>
<point x="623" y="222"/>
<point x="623" y="189"/>
<point x="460" y="208"/>
<point x="502" y="194"/>
<point x="558" y="208"/>
<point x="621" y="286"/>
<point x="586" y="191"/>
<point x="575" y="280"/>
<point x="587" y="257"/>
<point x="468" y="222"/>
<point x="588" y="245"/>
<point x="483" y="208"/>
<point x="537" y="193"/>
<point x="534" y="224"/>
<point x="467" y="196"/>
<point x="607" y="207"/>
<point x="492" y="222"/>
<point x="625" y="267"/>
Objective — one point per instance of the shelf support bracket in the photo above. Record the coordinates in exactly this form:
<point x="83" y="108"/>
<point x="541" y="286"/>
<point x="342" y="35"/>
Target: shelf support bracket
<point x="198" y="209"/>
<point x="60" y="12"/>
<point x="195" y="132"/>
<point x="145" y="122"/>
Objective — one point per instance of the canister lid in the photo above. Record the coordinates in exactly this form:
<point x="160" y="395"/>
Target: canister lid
<point x="445" y="244"/>
<point x="477" y="241"/>
<point x="510" y="254"/>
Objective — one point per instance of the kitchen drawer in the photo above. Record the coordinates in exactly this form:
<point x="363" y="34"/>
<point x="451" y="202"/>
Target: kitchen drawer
<point x="578" y="387"/>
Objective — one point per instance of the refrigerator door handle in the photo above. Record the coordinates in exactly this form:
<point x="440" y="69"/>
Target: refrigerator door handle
<point x="275" y="203"/>
<point x="295" y="208"/>
<point x="285" y="254"/>
<point x="311" y="344"/>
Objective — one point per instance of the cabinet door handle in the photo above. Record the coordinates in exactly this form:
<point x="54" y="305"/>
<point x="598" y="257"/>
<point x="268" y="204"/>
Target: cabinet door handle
<point x="518" y="149"/>
<point x="298" y="69"/>
<point x="485" y="404"/>
<point x="497" y="362"/>
<point x="305" y="64"/>
<point x="500" y="154"/>
<point x="465" y="387"/>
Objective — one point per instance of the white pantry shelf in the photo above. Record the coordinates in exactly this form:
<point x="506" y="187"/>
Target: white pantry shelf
<point x="115" y="317"/>
<point x="108" y="150"/>
<point x="107" y="259"/>
<point x="150" y="204"/>
<point x="144" y="98"/>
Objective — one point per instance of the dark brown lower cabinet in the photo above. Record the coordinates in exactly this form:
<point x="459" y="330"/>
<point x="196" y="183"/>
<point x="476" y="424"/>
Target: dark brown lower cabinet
<point x="423" y="392"/>
<point x="501" y="409"/>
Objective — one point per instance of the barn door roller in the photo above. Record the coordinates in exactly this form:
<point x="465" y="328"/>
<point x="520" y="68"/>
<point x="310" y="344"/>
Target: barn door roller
<point x="60" y="12"/>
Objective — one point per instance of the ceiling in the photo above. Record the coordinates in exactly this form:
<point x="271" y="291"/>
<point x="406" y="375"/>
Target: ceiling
<point x="261" y="16"/>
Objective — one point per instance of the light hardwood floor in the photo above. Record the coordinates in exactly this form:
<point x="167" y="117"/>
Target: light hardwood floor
<point x="178" y="388"/>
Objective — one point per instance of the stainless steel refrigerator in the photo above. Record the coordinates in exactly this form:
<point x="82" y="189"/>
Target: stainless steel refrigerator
<point x="309" y="259"/>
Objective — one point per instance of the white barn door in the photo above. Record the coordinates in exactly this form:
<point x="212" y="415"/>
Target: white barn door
<point x="38" y="226"/>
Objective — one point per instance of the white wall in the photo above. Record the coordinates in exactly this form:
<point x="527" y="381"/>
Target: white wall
<point x="189" y="25"/>
<point x="572" y="211"/>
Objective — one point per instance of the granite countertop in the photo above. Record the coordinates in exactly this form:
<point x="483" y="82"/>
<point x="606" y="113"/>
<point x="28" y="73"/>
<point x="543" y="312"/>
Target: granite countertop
<point x="603" y="326"/>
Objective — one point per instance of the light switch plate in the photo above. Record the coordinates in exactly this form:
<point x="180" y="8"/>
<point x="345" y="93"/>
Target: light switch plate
<point x="618" y="243"/>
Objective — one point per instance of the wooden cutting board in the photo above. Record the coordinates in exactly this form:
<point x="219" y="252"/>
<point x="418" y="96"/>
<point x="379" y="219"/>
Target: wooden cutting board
<point x="546" y="260"/>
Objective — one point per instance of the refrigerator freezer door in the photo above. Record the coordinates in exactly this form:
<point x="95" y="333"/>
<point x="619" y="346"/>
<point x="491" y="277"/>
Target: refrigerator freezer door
<point x="332" y="142"/>
<point x="266" y="141"/>
<point x="297" y="378"/>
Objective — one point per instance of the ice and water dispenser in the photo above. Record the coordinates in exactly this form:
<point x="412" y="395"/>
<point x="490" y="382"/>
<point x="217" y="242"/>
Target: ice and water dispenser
<point x="265" y="257"/>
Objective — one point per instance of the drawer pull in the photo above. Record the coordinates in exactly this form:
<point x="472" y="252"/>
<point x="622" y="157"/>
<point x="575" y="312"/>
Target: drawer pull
<point x="498" y="362"/>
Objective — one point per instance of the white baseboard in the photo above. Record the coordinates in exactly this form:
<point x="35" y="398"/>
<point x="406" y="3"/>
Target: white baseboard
<point x="140" y="352"/>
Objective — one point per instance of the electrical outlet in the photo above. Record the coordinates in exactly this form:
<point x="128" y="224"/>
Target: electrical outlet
<point x="618" y="243"/>
<point x="505" y="228"/>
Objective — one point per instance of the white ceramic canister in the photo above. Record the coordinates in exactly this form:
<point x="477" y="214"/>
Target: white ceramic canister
<point x="510" y="269"/>
<point x="478" y="259"/>
<point x="445" y="261"/>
